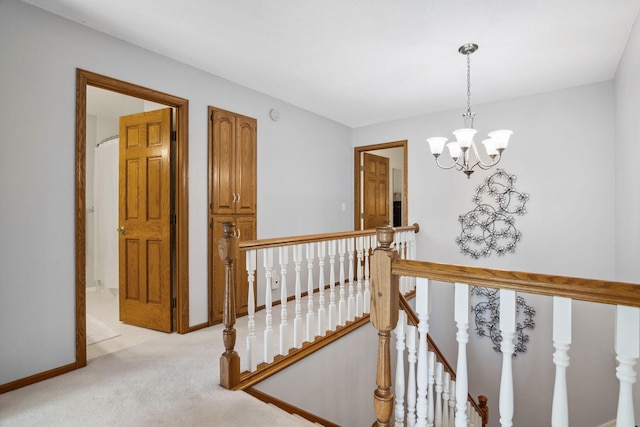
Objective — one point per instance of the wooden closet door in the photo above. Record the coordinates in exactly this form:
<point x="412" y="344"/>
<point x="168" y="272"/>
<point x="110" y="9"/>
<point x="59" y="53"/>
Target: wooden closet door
<point x="245" y="176"/>
<point x="223" y="161"/>
<point x="246" y="226"/>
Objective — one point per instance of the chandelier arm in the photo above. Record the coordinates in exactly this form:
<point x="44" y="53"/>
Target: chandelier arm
<point x="456" y="164"/>
<point x="486" y="166"/>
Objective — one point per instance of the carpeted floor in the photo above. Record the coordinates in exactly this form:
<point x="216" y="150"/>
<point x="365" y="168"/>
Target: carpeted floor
<point x="168" y="380"/>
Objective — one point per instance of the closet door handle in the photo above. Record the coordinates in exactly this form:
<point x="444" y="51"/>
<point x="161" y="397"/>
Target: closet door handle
<point x="238" y="197"/>
<point x="234" y="198"/>
<point x="238" y="234"/>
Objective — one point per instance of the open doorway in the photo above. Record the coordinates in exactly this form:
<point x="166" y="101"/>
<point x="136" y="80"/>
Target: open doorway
<point x="108" y="328"/>
<point x="87" y="81"/>
<point x="380" y="185"/>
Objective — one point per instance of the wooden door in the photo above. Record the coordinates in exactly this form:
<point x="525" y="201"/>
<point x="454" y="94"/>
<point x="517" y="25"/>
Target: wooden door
<point x="145" y="220"/>
<point x="246" y="152"/>
<point x="246" y="227"/>
<point x="375" y="191"/>
<point x="223" y="161"/>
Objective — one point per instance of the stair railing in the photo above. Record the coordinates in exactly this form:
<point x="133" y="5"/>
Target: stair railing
<point x="386" y="271"/>
<point x="429" y="375"/>
<point x="337" y="291"/>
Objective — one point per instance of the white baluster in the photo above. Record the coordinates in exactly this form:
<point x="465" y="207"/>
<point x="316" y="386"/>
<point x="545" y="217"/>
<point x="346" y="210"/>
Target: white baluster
<point x="445" y="399"/>
<point x="322" y="315"/>
<point x="342" y="302"/>
<point x="561" y="342"/>
<point x="412" y="255"/>
<point x="411" y="382"/>
<point x="627" y="346"/>
<point x="452" y="404"/>
<point x="359" y="295"/>
<point x="252" y="361"/>
<point x="461" y="316"/>
<point x="431" y="359"/>
<point x="310" y="288"/>
<point x="404" y="281"/>
<point x="422" y="308"/>
<point x="438" y="400"/>
<point x="470" y="418"/>
<point x="283" y="255"/>
<point x="333" y="320"/>
<point x="351" y="301"/>
<point x="268" y="329"/>
<point x="297" y="322"/>
<point x="399" y="385"/>
<point x="367" y="282"/>
<point x="508" y="331"/>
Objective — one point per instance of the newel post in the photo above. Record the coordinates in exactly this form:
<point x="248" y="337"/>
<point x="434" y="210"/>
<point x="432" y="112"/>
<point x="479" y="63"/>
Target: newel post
<point x="385" y="304"/>
<point x="484" y="409"/>
<point x="229" y="361"/>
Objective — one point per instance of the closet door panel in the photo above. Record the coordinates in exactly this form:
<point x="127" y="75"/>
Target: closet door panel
<point x="245" y="176"/>
<point x="246" y="226"/>
<point x="223" y="160"/>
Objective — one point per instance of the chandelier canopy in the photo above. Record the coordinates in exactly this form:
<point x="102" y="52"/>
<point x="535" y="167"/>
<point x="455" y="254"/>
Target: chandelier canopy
<point x="463" y="150"/>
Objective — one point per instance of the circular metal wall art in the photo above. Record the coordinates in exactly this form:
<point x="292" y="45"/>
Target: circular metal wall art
<point x="490" y="227"/>
<point x="487" y="318"/>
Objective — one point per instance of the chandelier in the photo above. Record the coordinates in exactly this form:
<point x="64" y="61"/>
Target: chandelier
<point x="463" y="150"/>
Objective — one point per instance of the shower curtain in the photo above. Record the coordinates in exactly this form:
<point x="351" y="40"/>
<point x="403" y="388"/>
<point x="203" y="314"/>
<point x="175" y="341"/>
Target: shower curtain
<point x="105" y="199"/>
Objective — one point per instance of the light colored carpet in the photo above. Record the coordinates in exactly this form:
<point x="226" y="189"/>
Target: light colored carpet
<point x="170" y="380"/>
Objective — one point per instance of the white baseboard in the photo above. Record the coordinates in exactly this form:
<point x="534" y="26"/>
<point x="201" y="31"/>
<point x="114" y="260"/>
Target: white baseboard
<point x="611" y="423"/>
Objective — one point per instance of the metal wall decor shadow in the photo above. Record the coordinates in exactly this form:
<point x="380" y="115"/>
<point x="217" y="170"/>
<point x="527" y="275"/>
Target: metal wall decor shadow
<point x="487" y="318"/>
<point x="490" y="227"/>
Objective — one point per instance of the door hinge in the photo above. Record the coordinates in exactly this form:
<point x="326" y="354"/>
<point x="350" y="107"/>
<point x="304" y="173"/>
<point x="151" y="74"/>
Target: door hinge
<point x="174" y="136"/>
<point x="361" y="168"/>
<point x="174" y="303"/>
<point x="362" y="215"/>
<point x="174" y="219"/>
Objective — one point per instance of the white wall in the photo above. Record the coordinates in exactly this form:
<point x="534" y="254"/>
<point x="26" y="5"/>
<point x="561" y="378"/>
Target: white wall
<point x="557" y="155"/>
<point x="627" y="153"/>
<point x="336" y="383"/>
<point x="40" y="53"/>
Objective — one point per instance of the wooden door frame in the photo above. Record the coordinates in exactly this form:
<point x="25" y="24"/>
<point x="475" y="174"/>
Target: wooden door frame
<point x="181" y="196"/>
<point x="357" y="181"/>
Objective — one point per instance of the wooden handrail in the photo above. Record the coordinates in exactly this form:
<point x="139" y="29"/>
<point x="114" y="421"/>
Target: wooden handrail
<point x="412" y="317"/>
<point x="230" y="375"/>
<point x="590" y="290"/>
<point x="312" y="238"/>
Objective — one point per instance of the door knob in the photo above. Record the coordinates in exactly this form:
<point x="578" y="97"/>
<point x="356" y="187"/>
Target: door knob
<point x="120" y="230"/>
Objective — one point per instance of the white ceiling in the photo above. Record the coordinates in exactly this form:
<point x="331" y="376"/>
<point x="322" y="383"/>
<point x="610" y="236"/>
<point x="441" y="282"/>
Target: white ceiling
<point x="360" y="62"/>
